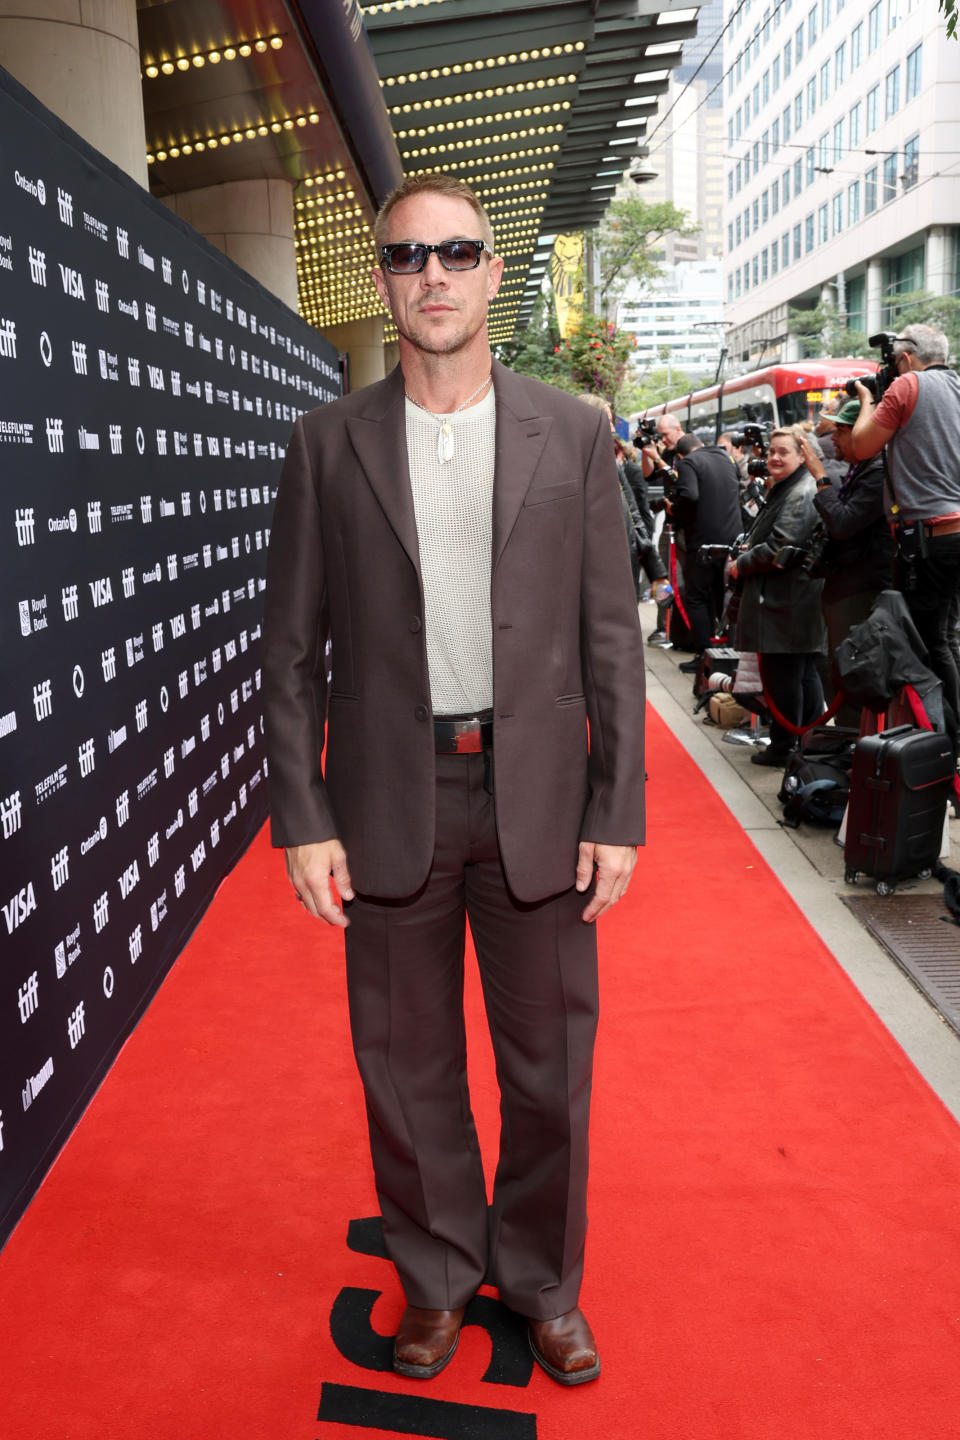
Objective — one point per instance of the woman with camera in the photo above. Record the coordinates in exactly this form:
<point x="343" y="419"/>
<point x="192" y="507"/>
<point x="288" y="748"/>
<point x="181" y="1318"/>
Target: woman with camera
<point x="780" y="616"/>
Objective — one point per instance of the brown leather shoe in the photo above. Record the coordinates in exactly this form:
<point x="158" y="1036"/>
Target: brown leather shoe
<point x="565" y="1348"/>
<point x="426" y="1341"/>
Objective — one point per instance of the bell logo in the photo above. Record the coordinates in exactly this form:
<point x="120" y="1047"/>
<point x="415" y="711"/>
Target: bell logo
<point x="19" y="908"/>
<point x="72" y="282"/>
<point x="101" y="591"/>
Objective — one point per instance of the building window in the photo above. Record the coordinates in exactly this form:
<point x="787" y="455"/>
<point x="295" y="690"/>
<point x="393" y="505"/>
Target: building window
<point x="797" y="176"/>
<point x="812" y="27"/>
<point x="913" y="73"/>
<point x="823" y="153"/>
<point x="739" y="123"/>
<point x="823" y="224"/>
<point x="785" y="247"/>
<point x="764" y="207"/>
<point x="730" y="235"/>
<point x="838" y="213"/>
<point x="873" y="109"/>
<point x="798" y="44"/>
<point x="798" y="111"/>
<point x="797" y="249"/>
<point x="787" y="59"/>
<point x="855" y="115"/>
<point x="730" y="286"/>
<point x="873" y="28"/>
<point x="889" y="177"/>
<point x="892" y="93"/>
<point x="853" y="203"/>
<point x="785" y="187"/>
<point x="764" y="265"/>
<point x="838" y="142"/>
<point x="775" y="68"/>
<point x="824" y="14"/>
<point x="738" y="230"/>
<point x="911" y="162"/>
<point x="774" y="258"/>
<point x="856" y="297"/>
<point x="840" y="65"/>
<point x="756" y="270"/>
<point x="739" y="177"/>
<point x="775" y="137"/>
<point x="811" y="96"/>
<point x="905" y="275"/>
<point x="766" y="86"/>
<point x="856" y="46"/>
<point x="893" y="15"/>
<point x="730" y="185"/>
<point x="870" y="191"/>
<point x="774" y="197"/>
<point x="739" y="67"/>
<point x="756" y="215"/>
<point x="808" y="233"/>
<point x="756" y="100"/>
<point x="746" y="168"/>
<point x="766" y="26"/>
<point x="756" y="156"/>
<point x="785" y="118"/>
<point x="825" y="82"/>
<point x="737" y="278"/>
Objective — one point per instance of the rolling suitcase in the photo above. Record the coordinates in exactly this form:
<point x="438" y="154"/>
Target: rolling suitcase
<point x="899" y="786"/>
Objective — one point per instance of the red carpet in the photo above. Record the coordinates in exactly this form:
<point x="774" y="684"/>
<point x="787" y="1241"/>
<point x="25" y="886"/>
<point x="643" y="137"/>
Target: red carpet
<point x="774" y="1249"/>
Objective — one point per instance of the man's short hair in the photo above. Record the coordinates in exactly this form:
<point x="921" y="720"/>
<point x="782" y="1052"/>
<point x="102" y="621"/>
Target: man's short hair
<point x="929" y="344"/>
<point x="688" y="443"/>
<point x="431" y="182"/>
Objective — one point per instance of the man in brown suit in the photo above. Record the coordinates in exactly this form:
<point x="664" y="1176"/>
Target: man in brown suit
<point x="455" y="532"/>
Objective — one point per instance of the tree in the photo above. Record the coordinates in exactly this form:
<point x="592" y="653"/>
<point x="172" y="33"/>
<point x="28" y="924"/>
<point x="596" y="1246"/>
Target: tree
<point x="654" y="388"/>
<point x="919" y="307"/>
<point x="948" y="9"/>
<point x="595" y="356"/>
<point x="824" y="332"/>
<point x="628" y="240"/>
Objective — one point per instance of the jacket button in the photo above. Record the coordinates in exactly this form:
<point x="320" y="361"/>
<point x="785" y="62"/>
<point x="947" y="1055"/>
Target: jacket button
<point x="415" y="624"/>
<point x="421" y="712"/>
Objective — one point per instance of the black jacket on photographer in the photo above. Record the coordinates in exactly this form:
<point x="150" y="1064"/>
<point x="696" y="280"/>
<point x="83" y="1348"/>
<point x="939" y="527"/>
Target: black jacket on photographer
<point x="860" y="550"/>
<point x="643" y="552"/>
<point x="706" y="498"/>
<point x="780" y="608"/>
<point x="638" y="485"/>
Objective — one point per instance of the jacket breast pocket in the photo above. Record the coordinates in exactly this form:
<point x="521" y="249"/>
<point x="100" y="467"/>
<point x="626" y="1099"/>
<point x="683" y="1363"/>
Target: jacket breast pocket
<point x="544" y="494"/>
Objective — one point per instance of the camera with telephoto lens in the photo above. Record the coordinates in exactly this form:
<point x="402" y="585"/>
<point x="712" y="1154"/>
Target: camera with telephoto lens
<point x="887" y="373"/>
<point x="758" y="469"/>
<point x="646" y="432"/>
<point x="751" y="435"/>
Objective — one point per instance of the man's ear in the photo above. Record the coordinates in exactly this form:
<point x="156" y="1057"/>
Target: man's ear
<point x="494" y="276"/>
<point x="381" y="284"/>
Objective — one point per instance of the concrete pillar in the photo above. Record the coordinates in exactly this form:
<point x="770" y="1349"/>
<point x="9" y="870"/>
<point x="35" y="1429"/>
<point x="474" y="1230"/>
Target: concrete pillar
<point x="873" y="303"/>
<point x="252" y="222"/>
<point x="81" y="58"/>
<point x="938" y="274"/>
<point x="363" y="342"/>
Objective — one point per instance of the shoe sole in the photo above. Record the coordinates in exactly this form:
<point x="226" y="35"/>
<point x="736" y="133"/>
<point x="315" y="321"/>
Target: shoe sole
<point x="425" y="1372"/>
<point x="563" y="1377"/>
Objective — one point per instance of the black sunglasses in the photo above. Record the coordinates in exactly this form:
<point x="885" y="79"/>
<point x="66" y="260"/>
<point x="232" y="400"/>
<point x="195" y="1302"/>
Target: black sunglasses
<point x="410" y="257"/>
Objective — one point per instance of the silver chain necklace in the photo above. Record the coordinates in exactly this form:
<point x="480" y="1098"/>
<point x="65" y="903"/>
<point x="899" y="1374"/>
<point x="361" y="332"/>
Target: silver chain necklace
<point x="445" y="432"/>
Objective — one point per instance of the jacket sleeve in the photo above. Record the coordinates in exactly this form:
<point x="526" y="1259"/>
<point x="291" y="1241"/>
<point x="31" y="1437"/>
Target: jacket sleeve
<point x="612" y="662"/>
<point x="686" y="494"/>
<point x="858" y="508"/>
<point x="295" y="666"/>
<point x="792" y="526"/>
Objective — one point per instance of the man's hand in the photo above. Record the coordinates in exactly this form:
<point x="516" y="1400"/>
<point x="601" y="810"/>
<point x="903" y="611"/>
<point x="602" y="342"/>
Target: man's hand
<point x="811" y="459"/>
<point x="614" y="867"/>
<point x="310" y="868"/>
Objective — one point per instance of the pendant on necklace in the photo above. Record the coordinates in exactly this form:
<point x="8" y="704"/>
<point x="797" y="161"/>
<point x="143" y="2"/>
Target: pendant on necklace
<point x="445" y="443"/>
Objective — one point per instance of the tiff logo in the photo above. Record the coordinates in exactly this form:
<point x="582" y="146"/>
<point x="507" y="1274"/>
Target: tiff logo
<point x="129" y="583"/>
<point x="123" y="808"/>
<point x="153" y="849"/>
<point x="169" y="760"/>
<point x="38" y="265"/>
<point x="65" y="205"/>
<point x="146" y="509"/>
<point x="166" y="269"/>
<point x="76" y="1025"/>
<point x="26" y="526"/>
<point x="183" y="680"/>
<point x="151" y="313"/>
<point x="43" y="700"/>
<point x="135" y="944"/>
<point x="86" y="757"/>
<point x="28" y="997"/>
<point x="141" y="716"/>
<point x="101" y="912"/>
<point x="116" y="440"/>
<point x="180" y="881"/>
<point x="161" y="442"/>
<point x="133" y="369"/>
<point x="157" y="633"/>
<point x="123" y="243"/>
<point x="8" y="340"/>
<point x="175" y="382"/>
<point x="54" y="436"/>
<point x="108" y="659"/>
<point x="79" y="352"/>
<point x="103" y="296"/>
<point x="69" y="598"/>
<point x="60" y="867"/>
<point x="94" y="516"/>
<point x="11" y="812"/>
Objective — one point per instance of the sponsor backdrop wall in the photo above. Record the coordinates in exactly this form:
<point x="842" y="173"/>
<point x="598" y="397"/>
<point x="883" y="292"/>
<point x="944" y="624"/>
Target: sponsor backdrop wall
<point x="147" y="390"/>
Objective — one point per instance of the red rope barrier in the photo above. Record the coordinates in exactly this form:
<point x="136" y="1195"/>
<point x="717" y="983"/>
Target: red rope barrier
<point x="828" y="714"/>
<point x="676" y="589"/>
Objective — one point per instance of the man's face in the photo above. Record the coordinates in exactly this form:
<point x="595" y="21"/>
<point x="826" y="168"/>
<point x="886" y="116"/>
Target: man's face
<point x="843" y="443"/>
<point x="438" y="311"/>
<point x="669" y="431"/>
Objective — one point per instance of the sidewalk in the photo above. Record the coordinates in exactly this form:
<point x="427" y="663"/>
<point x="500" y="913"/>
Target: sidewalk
<point x="810" y="866"/>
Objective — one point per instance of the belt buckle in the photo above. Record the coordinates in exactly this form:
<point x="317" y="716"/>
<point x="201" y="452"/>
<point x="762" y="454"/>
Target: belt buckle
<point x="467" y="737"/>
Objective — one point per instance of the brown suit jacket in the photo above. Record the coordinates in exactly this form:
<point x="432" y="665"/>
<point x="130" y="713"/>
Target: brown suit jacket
<point x="567" y="648"/>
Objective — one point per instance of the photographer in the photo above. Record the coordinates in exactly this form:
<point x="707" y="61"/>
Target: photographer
<point x="779" y="615"/>
<point x="857" y="552"/>
<point x="706" y="508"/>
<point x="918" y="420"/>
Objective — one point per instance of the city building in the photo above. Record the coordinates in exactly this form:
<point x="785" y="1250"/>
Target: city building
<point x="842" y="145"/>
<point x="678" y="320"/>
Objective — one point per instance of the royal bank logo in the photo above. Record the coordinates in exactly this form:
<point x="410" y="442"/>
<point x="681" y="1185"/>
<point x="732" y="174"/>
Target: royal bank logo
<point x="43" y="700"/>
<point x="78" y="350"/>
<point x="6" y="252"/>
<point x="158" y="911"/>
<point x="103" y="296"/>
<point x="76" y="1026"/>
<point x="70" y="600"/>
<point x="67" y="952"/>
<point x="123" y="243"/>
<point x="8" y="340"/>
<point x="94" y="516"/>
<point x="54" y="435"/>
<point x="86" y="757"/>
<point x="25" y="523"/>
<point x="72" y="282"/>
<point x="65" y="205"/>
<point x="135" y="652"/>
<point x="37" y="260"/>
<point x="11" y="811"/>
<point x="18" y="909"/>
<point x="60" y="868"/>
<point x="109" y="366"/>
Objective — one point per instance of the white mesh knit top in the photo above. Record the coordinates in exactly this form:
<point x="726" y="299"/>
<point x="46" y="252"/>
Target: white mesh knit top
<point x="453" y="504"/>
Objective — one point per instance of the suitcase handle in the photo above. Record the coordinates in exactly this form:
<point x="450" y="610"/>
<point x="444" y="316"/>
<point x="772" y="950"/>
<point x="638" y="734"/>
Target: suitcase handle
<point x="872" y="842"/>
<point x="872" y="783"/>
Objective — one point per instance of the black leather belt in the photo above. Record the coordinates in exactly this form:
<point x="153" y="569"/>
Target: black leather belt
<point x="463" y="734"/>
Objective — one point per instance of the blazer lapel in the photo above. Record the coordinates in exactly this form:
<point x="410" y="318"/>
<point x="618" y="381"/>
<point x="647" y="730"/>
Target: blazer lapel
<point x="521" y="436"/>
<point x="379" y="439"/>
